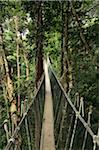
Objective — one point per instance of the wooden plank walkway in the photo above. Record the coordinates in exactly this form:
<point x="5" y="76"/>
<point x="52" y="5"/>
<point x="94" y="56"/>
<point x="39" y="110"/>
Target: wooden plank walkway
<point x="47" y="135"/>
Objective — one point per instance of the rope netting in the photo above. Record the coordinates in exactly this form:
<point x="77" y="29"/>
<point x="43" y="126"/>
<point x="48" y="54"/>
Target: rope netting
<point x="24" y="136"/>
<point x="73" y="121"/>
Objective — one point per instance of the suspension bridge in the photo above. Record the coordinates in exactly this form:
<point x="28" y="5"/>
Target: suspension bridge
<point x="57" y="123"/>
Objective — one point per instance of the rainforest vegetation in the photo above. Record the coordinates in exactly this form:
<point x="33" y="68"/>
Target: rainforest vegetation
<point x="67" y="32"/>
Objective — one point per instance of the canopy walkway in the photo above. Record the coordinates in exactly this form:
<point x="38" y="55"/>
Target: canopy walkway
<point x="57" y="123"/>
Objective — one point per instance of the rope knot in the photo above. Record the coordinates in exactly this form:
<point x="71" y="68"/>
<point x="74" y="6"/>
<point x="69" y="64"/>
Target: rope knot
<point x="25" y="113"/>
<point x="11" y="140"/>
<point x="18" y="128"/>
<point x="96" y="139"/>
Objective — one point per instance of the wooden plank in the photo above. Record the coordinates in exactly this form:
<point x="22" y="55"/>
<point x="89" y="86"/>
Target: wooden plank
<point x="47" y="136"/>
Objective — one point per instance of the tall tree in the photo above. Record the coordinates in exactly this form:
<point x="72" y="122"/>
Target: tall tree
<point x="39" y="68"/>
<point x="77" y="18"/>
<point x="27" y="65"/>
<point x="9" y="84"/>
<point x="66" y="75"/>
<point x="62" y="37"/>
<point x="16" y="20"/>
<point x="39" y="42"/>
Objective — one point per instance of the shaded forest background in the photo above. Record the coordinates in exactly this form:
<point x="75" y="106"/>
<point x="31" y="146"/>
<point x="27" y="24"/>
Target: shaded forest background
<point x="66" y="31"/>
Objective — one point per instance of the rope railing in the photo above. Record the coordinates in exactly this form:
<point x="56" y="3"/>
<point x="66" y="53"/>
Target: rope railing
<point x="24" y="135"/>
<point x="73" y="126"/>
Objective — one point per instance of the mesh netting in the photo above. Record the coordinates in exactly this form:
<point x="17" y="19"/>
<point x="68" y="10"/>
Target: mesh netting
<point x="24" y="137"/>
<point x="70" y="133"/>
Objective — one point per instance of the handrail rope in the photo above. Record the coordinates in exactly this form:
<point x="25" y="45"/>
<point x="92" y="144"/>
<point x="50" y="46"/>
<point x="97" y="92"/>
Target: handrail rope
<point x="24" y="115"/>
<point x="72" y="106"/>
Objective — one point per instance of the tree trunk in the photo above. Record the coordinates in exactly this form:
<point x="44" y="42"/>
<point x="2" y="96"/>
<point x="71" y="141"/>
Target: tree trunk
<point x="27" y="66"/>
<point x="8" y="81"/>
<point x="79" y="27"/>
<point x="9" y="84"/>
<point x="39" y="70"/>
<point x="66" y="51"/>
<point x="65" y="78"/>
<point x="62" y="38"/>
<point x="18" y="63"/>
<point x="39" y="43"/>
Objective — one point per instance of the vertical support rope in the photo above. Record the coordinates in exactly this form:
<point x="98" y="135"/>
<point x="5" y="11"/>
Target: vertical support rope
<point x="8" y="116"/>
<point x="94" y="146"/>
<point x="73" y="134"/>
<point x="85" y="137"/>
<point x="27" y="128"/>
<point x="96" y="140"/>
<point x="6" y="129"/>
<point x="69" y="131"/>
<point x="22" y="108"/>
<point x="27" y="132"/>
<point x="98" y="137"/>
<point x="75" y="124"/>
